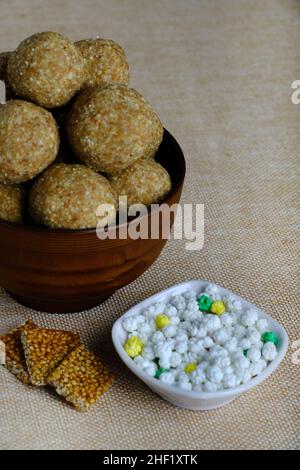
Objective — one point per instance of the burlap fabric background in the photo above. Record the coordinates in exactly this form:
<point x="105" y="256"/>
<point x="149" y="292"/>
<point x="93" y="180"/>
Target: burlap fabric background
<point x="219" y="73"/>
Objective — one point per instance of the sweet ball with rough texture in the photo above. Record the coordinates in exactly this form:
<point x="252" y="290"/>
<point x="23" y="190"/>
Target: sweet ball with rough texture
<point x="144" y="182"/>
<point x="111" y="127"/>
<point x="105" y="62"/>
<point x="29" y="141"/>
<point x="11" y="203"/>
<point x="67" y="197"/>
<point x="46" y="68"/>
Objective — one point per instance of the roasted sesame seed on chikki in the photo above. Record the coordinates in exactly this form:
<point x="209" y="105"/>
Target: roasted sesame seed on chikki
<point x="14" y="355"/>
<point x="81" y="378"/>
<point x="45" y="349"/>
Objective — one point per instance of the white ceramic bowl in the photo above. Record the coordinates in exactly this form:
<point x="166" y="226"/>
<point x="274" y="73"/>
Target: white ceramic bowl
<point x="194" y="400"/>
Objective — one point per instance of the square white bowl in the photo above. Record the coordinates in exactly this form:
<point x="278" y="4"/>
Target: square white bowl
<point x="195" y="400"/>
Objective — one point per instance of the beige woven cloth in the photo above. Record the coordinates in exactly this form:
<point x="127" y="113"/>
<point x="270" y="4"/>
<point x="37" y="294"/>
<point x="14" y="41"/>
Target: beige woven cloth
<point x="219" y="73"/>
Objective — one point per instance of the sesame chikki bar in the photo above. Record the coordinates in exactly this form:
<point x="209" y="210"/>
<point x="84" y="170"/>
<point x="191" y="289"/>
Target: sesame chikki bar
<point x="14" y="355"/>
<point x="45" y="349"/>
<point x="81" y="378"/>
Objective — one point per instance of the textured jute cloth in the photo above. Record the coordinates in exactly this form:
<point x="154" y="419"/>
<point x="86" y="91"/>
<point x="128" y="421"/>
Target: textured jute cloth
<point x="219" y="74"/>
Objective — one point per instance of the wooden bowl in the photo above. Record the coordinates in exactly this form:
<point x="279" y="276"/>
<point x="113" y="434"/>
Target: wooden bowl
<point x="66" y="271"/>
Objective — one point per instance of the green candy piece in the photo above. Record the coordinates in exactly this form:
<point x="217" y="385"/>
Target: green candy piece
<point x="204" y="303"/>
<point x="269" y="337"/>
<point x="160" y="371"/>
<point x="245" y="352"/>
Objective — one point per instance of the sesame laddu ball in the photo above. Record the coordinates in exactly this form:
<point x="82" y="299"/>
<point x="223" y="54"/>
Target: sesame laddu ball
<point x="144" y="182"/>
<point x="67" y="196"/>
<point x="46" y="68"/>
<point x="11" y="203"/>
<point x="111" y="127"/>
<point x="105" y="62"/>
<point x="29" y="141"/>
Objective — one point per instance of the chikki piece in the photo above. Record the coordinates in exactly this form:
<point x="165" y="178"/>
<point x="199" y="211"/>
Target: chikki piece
<point x="45" y="349"/>
<point x="14" y="355"/>
<point x="81" y="378"/>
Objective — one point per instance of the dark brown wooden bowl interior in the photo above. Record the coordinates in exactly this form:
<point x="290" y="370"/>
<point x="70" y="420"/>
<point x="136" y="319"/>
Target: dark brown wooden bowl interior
<point x="67" y="271"/>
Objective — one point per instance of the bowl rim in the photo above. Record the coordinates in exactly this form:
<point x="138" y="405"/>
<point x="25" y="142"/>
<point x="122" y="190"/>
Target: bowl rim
<point x="153" y="383"/>
<point x="166" y="200"/>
